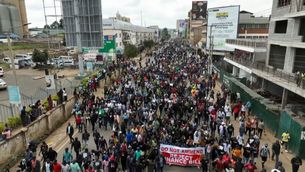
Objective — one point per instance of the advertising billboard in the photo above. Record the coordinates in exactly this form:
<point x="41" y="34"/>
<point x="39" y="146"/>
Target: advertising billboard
<point x="181" y="27"/>
<point x="199" y="10"/>
<point x="222" y="25"/>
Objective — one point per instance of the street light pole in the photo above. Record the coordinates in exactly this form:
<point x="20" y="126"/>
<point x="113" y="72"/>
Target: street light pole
<point x="210" y="50"/>
<point x="12" y="57"/>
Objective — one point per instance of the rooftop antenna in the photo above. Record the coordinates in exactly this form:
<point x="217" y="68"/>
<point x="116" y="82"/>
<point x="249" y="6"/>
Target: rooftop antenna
<point x="141" y="19"/>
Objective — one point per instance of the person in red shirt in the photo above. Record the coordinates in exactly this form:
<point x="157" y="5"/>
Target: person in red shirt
<point x="226" y="160"/>
<point x="56" y="166"/>
<point x="219" y="164"/>
<point x="250" y="167"/>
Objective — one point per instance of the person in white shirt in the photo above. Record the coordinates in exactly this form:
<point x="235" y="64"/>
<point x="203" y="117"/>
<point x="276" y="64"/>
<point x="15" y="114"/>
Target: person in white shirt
<point x="197" y="136"/>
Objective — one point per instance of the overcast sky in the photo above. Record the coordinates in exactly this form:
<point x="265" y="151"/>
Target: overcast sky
<point x="155" y="12"/>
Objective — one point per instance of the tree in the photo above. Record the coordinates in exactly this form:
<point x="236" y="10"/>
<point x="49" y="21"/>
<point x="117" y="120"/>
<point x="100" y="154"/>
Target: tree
<point x="40" y="57"/>
<point x="55" y="25"/>
<point x="148" y="44"/>
<point x="165" y="35"/>
<point x="61" y="23"/>
<point x="130" y="51"/>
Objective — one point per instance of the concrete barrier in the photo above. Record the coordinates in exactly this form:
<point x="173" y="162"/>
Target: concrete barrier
<point x="42" y="126"/>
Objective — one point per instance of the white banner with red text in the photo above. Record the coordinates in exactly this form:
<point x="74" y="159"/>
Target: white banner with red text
<point x="181" y="156"/>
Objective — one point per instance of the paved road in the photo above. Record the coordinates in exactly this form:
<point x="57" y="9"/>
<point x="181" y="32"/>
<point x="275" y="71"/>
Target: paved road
<point x="30" y="87"/>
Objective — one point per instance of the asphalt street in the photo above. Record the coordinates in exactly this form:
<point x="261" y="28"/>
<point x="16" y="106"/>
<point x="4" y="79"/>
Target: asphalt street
<point x="63" y="142"/>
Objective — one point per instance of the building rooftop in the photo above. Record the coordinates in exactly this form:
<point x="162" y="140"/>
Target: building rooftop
<point x="118" y="24"/>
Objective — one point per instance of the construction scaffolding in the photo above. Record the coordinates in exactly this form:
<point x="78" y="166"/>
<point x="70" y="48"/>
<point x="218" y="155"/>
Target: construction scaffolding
<point x="52" y="13"/>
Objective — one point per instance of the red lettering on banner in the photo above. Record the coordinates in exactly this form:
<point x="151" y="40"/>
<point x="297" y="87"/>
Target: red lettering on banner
<point x="182" y="156"/>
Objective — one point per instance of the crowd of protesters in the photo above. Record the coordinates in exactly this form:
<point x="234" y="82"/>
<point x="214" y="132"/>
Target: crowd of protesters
<point x="169" y="100"/>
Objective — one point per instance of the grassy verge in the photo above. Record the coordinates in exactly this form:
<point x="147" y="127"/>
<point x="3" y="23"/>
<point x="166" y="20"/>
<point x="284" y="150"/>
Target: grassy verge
<point x="21" y="46"/>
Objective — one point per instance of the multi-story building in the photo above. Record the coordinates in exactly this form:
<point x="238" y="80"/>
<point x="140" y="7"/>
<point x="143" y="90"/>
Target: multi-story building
<point x="197" y="24"/>
<point x="269" y="72"/>
<point x="118" y="16"/>
<point x="157" y="32"/>
<point x="125" y="32"/>
<point x="13" y="17"/>
<point x="251" y="27"/>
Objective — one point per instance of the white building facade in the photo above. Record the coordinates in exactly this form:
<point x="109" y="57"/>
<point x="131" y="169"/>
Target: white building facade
<point x="127" y="33"/>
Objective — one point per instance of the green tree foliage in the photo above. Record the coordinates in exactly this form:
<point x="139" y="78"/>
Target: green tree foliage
<point x="148" y="44"/>
<point x="130" y="51"/>
<point x="165" y="35"/>
<point x="40" y="57"/>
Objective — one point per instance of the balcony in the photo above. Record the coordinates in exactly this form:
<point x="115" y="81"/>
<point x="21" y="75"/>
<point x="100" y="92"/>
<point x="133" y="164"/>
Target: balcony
<point x="249" y="45"/>
<point x="277" y="76"/>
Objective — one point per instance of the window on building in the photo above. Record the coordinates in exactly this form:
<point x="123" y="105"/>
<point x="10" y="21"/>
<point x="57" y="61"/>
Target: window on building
<point x="302" y="29"/>
<point x="299" y="60"/>
<point x="281" y="26"/>
<point x="283" y="3"/>
<point x="277" y="56"/>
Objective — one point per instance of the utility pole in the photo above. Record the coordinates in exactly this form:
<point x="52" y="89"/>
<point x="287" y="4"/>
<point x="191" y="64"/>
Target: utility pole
<point x="78" y="38"/>
<point x="211" y="46"/>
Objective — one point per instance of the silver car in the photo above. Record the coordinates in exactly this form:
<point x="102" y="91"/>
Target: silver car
<point x="3" y="84"/>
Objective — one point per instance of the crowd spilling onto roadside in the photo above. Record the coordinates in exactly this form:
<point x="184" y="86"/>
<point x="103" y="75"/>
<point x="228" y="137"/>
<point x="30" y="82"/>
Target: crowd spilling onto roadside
<point x="170" y="100"/>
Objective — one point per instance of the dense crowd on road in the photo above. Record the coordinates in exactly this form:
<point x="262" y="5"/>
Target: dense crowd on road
<point x="170" y="100"/>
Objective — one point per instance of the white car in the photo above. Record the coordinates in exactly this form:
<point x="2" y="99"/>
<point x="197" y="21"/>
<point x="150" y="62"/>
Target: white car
<point x="1" y="72"/>
<point x="3" y="84"/>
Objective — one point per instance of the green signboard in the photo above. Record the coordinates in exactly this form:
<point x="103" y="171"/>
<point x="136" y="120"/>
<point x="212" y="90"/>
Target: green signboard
<point x="109" y="44"/>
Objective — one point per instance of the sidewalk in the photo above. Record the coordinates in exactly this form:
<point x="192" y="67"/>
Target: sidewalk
<point x="267" y="138"/>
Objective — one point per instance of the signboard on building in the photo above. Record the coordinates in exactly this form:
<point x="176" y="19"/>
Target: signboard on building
<point x="109" y="44"/>
<point x="14" y="94"/>
<point x="199" y="10"/>
<point x="181" y="27"/>
<point x="222" y="25"/>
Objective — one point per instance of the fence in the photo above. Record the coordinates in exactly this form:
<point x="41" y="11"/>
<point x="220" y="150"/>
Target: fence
<point x="7" y="111"/>
<point x="277" y="122"/>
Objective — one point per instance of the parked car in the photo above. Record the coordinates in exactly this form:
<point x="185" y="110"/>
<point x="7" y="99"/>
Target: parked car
<point x="1" y="72"/>
<point x="3" y="84"/>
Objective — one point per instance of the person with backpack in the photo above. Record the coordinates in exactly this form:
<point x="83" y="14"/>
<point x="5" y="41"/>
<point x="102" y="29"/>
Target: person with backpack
<point x="264" y="153"/>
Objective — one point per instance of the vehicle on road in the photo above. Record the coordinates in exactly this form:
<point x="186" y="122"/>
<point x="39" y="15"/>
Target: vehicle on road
<point x="67" y="60"/>
<point x="3" y="84"/>
<point x="1" y="72"/>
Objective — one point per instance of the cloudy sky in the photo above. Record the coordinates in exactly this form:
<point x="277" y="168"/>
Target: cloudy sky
<point x="155" y="12"/>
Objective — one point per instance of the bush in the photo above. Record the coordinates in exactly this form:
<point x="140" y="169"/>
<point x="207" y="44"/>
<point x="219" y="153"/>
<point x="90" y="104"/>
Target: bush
<point x="14" y="122"/>
<point x="1" y="126"/>
<point x="85" y="81"/>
